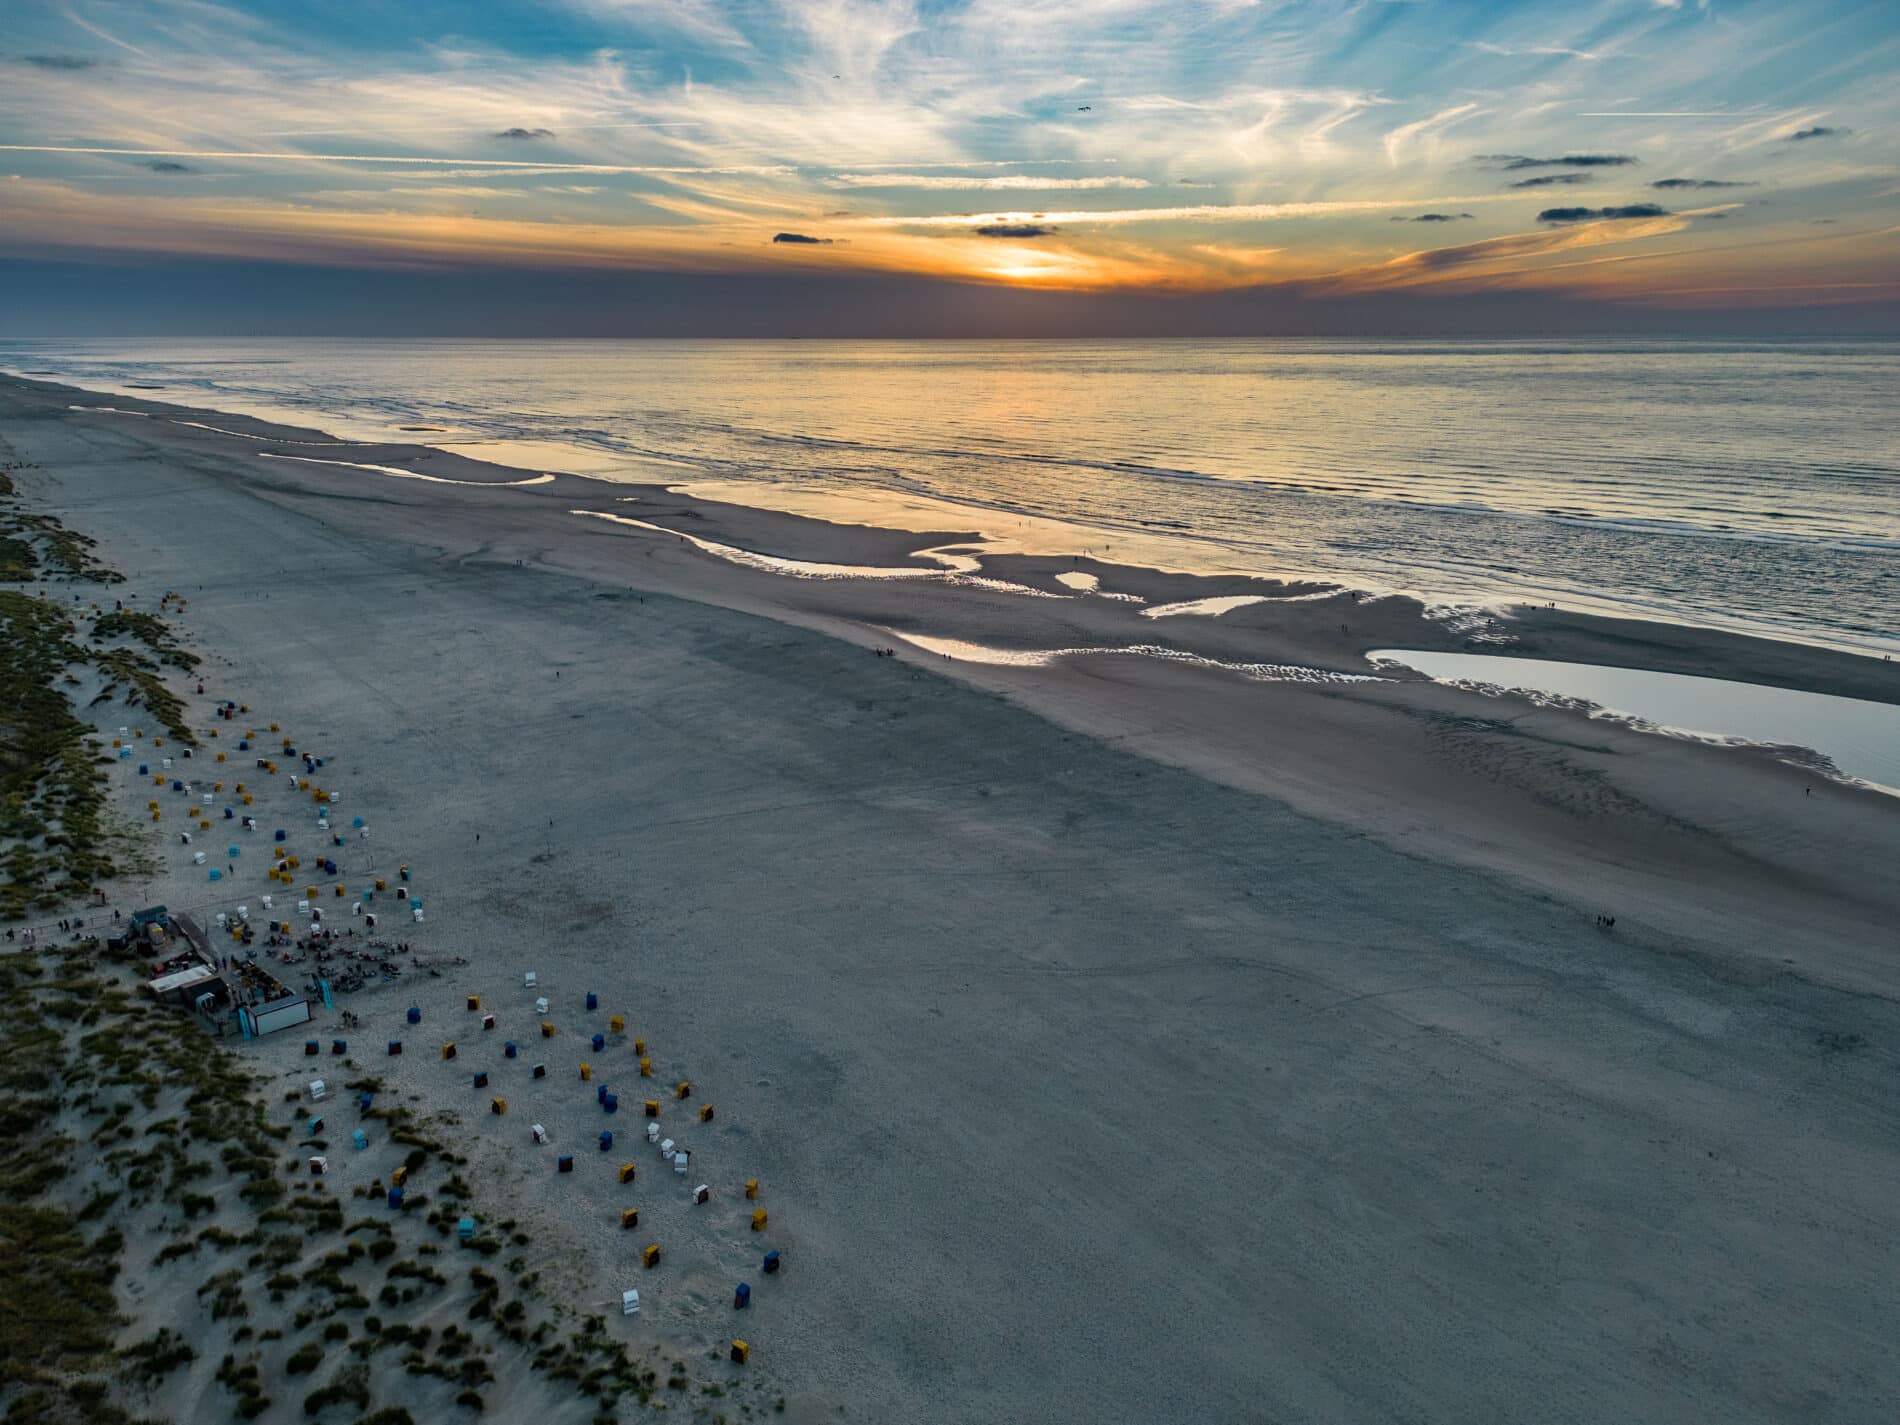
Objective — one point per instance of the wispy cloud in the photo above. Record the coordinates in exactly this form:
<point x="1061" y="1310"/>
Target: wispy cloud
<point x="1398" y="140"/>
<point x="984" y="162"/>
<point x="1488" y="258"/>
<point x="1028" y="182"/>
<point x="396" y="159"/>
<point x="682" y="134"/>
<point x="1543" y="51"/>
<point x="1196" y="213"/>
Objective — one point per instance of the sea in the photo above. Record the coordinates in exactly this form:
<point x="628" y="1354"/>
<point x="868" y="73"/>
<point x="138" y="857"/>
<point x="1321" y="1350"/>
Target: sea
<point x="1746" y="485"/>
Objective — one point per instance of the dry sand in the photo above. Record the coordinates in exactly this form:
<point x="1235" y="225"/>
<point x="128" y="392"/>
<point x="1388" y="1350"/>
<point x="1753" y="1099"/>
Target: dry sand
<point x="1119" y="1040"/>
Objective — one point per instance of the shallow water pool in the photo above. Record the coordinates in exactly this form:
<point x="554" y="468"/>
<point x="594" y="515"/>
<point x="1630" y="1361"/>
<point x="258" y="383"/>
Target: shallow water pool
<point x="1861" y="738"/>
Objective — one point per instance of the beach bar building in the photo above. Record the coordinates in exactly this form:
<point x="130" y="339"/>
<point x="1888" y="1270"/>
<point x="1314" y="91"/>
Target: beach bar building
<point x="273" y="1015"/>
<point x="184" y="986"/>
<point x="270" y="1004"/>
<point x="184" y="971"/>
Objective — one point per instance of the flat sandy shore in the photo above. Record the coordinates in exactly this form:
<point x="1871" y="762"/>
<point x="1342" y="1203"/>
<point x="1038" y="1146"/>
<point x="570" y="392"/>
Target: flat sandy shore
<point x="1118" y="1040"/>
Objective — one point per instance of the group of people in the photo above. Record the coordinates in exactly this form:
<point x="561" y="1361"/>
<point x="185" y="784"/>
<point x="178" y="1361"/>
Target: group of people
<point x="28" y="936"/>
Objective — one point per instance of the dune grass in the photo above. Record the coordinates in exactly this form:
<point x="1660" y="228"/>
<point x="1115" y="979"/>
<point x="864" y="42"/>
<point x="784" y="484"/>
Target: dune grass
<point x="125" y="1123"/>
<point x="57" y="838"/>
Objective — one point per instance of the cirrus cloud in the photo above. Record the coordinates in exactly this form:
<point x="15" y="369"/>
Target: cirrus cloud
<point x="996" y="182"/>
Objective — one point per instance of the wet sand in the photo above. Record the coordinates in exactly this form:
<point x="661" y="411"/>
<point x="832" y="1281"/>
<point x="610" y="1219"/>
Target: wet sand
<point x="1121" y="1039"/>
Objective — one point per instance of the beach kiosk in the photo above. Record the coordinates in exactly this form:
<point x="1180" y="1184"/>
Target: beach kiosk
<point x="152" y="915"/>
<point x="273" y="1015"/>
<point x="184" y="986"/>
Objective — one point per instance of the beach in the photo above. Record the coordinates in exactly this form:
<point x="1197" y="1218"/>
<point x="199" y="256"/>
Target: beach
<point x="1228" y="1035"/>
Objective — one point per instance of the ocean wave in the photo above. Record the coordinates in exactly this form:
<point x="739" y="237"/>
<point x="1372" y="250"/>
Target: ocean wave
<point x="271" y="439"/>
<point x="1205" y="608"/>
<point x="1661" y="478"/>
<point x="959" y="568"/>
<point x="402" y="474"/>
<point x="964" y="651"/>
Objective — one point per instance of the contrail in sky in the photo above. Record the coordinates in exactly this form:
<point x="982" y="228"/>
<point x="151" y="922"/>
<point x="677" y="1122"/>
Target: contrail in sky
<point x="539" y="165"/>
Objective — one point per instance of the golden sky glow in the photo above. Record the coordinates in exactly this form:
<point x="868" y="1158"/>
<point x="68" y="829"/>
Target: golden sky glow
<point x="1628" y="150"/>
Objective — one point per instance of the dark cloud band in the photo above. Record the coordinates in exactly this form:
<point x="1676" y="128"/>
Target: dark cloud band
<point x="1511" y="162"/>
<point x="1586" y="215"/>
<point x="60" y="61"/>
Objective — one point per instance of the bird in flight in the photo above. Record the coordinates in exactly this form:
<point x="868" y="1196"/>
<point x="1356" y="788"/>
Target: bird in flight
<point x="1084" y="108"/>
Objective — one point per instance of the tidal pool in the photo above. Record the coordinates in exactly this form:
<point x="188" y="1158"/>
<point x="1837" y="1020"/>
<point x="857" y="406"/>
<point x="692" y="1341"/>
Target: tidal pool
<point x="1861" y="738"/>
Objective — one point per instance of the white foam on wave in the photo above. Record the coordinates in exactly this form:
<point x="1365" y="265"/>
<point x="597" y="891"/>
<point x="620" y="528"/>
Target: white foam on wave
<point x="273" y="440"/>
<point x="402" y="474"/>
<point x="1477" y="624"/>
<point x="964" y="651"/>
<point x="1084" y="583"/>
<point x="959" y="567"/>
<point x="1206" y="608"/>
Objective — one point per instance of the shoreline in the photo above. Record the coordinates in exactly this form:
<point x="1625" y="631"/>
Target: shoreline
<point x="1120" y="1039"/>
<point x="1569" y="635"/>
<point x="1585" y="809"/>
<point x="1154" y="549"/>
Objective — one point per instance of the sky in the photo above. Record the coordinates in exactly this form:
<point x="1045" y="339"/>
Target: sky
<point x="791" y="166"/>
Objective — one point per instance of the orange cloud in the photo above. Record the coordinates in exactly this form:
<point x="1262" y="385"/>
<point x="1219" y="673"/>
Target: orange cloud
<point x="726" y="229"/>
<point x="1491" y="257"/>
